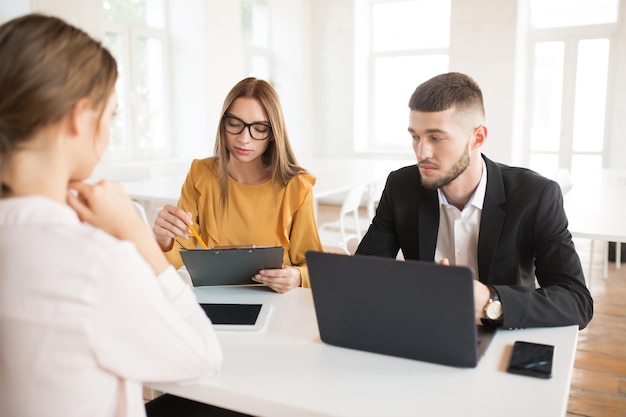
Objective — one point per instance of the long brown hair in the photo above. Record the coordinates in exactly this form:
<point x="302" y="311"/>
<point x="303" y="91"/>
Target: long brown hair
<point x="279" y="155"/>
<point x="47" y="67"/>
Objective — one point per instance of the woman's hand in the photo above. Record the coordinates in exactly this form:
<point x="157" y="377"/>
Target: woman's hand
<point x="280" y="280"/>
<point x="171" y="222"/>
<point x="106" y="206"/>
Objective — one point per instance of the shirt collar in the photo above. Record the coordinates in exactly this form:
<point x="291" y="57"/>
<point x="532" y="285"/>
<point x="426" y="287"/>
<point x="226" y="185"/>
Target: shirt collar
<point x="477" y="199"/>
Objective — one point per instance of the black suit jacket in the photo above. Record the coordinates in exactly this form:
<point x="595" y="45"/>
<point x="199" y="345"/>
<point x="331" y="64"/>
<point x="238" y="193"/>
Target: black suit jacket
<point x="523" y="234"/>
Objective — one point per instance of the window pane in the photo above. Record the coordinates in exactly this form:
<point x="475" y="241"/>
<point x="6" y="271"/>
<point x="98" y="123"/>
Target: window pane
<point x="149" y="95"/>
<point x="545" y="164"/>
<point x="255" y="23"/>
<point x="146" y="12"/>
<point x="585" y="166"/>
<point x="560" y="13"/>
<point x="590" y="101"/>
<point x="402" y="25"/>
<point x="119" y="126"/>
<point x="395" y="80"/>
<point x="547" y="95"/>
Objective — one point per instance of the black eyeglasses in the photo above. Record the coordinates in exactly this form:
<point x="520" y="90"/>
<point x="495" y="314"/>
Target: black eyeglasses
<point x="258" y="130"/>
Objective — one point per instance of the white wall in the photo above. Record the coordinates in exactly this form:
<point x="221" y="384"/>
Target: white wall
<point x="483" y="33"/>
<point x="333" y="65"/>
<point x="207" y="60"/>
<point x="290" y="39"/>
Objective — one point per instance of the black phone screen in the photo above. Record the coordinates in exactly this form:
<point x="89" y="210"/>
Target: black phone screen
<point x="532" y="359"/>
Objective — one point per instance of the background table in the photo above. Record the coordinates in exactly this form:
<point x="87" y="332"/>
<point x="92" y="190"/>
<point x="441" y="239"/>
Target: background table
<point x="334" y="177"/>
<point x="596" y="210"/>
<point x="285" y="370"/>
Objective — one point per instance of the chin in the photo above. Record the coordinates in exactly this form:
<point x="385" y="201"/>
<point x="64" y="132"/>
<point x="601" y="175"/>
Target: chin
<point x="82" y="174"/>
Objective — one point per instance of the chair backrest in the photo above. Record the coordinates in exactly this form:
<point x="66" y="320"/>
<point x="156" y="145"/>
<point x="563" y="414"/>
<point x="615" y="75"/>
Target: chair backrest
<point x="564" y="178"/>
<point x="141" y="211"/>
<point x="373" y="196"/>
<point x="350" y="206"/>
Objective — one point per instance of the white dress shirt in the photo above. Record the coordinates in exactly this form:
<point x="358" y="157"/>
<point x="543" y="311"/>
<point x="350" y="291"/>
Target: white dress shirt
<point x="457" y="238"/>
<point x="84" y="320"/>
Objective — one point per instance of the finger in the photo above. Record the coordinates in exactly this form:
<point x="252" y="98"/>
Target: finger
<point x="171" y="222"/>
<point x="77" y="205"/>
<point x="79" y="186"/>
<point x="444" y="261"/>
<point x="273" y="273"/>
<point x="176" y="211"/>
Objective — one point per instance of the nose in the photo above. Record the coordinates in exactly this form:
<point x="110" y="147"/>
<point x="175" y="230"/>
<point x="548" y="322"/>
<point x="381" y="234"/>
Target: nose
<point x="245" y="136"/>
<point x="422" y="150"/>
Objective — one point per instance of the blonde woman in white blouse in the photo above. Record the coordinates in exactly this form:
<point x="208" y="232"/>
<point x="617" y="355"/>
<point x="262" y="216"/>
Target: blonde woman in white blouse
<point x="89" y="307"/>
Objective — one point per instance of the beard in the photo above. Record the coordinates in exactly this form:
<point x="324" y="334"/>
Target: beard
<point x="457" y="169"/>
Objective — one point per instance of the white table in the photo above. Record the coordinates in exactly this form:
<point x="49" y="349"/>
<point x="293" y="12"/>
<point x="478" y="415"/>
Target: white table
<point x="285" y="370"/>
<point x="595" y="209"/>
<point x="334" y="177"/>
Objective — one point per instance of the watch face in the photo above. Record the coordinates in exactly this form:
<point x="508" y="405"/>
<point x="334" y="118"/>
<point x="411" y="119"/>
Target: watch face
<point x="493" y="311"/>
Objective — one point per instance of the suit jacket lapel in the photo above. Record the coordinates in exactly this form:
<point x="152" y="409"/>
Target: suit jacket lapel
<point x="492" y="220"/>
<point x="428" y="225"/>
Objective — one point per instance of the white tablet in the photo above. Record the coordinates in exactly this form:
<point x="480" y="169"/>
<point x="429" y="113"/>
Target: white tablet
<point x="226" y="316"/>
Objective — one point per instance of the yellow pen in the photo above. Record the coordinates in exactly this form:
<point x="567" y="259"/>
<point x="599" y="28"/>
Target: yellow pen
<point x="198" y="237"/>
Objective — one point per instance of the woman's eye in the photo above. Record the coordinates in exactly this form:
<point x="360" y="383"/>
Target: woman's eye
<point x="260" y="128"/>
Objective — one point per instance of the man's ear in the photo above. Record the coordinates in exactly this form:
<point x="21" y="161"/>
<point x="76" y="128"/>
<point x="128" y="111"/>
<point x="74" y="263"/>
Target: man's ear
<point x="79" y="118"/>
<point x="480" y="136"/>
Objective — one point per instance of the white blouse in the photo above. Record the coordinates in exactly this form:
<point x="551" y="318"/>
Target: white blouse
<point x="84" y="321"/>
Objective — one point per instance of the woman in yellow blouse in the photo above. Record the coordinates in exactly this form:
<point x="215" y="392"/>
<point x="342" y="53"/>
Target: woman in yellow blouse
<point x="252" y="192"/>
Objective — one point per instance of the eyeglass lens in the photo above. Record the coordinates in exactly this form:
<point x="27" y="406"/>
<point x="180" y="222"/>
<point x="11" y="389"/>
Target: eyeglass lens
<point x="235" y="126"/>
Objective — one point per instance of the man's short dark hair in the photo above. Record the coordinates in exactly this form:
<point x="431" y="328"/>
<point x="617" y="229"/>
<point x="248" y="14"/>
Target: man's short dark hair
<point x="445" y="91"/>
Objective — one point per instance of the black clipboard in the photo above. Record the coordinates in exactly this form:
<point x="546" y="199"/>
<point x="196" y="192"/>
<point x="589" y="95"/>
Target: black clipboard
<point x="230" y="265"/>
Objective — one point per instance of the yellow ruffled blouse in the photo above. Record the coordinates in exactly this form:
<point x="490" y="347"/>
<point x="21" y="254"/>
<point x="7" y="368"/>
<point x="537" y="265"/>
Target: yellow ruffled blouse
<point x="263" y="215"/>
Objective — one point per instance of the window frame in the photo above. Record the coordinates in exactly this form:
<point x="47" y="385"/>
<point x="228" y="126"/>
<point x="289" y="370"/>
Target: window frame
<point x="365" y="139"/>
<point x="570" y="36"/>
<point x="130" y="34"/>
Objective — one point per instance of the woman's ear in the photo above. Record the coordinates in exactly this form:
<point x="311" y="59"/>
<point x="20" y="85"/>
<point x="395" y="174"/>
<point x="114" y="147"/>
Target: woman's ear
<point x="80" y="118"/>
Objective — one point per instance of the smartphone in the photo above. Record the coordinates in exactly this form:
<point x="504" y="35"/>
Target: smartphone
<point x="531" y="359"/>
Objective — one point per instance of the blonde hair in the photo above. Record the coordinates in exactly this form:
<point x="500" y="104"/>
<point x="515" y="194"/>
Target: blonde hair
<point x="47" y="67"/>
<point x="278" y="156"/>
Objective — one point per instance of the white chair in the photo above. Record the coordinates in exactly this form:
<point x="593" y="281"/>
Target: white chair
<point x="564" y="178"/>
<point x="141" y="211"/>
<point x="346" y="230"/>
<point x="374" y="191"/>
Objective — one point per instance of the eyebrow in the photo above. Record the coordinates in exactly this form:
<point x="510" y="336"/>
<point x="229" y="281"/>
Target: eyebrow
<point x="264" y="122"/>
<point x="429" y="131"/>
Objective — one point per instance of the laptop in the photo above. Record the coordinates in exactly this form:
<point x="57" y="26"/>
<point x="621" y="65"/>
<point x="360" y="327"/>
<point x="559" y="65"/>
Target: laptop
<point x="230" y="265"/>
<point x="410" y="309"/>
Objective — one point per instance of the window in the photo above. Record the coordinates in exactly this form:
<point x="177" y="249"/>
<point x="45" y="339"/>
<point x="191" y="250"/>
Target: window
<point x="570" y="56"/>
<point x="135" y="33"/>
<point x="400" y="55"/>
<point x="256" y="36"/>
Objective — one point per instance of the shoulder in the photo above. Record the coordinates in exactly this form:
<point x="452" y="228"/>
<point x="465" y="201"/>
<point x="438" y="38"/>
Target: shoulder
<point x="410" y="171"/>
<point x="303" y="181"/>
<point x="203" y="168"/>
<point x="211" y="164"/>
<point x="518" y="184"/>
<point x="518" y="177"/>
<point x="405" y="177"/>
